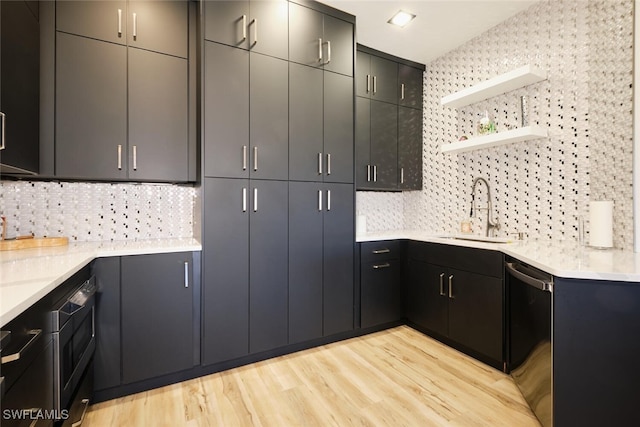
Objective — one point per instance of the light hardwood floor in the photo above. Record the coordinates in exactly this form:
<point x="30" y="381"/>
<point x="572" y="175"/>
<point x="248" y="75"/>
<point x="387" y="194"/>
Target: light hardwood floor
<point x="397" y="377"/>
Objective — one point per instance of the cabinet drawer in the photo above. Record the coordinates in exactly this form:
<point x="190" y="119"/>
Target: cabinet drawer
<point x="372" y="252"/>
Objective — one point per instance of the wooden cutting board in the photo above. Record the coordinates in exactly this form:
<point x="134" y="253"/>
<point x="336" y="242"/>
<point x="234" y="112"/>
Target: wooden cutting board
<point x="41" y="242"/>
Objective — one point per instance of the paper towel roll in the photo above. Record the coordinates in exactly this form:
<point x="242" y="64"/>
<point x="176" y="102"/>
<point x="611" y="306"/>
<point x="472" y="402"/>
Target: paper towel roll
<point x="601" y="224"/>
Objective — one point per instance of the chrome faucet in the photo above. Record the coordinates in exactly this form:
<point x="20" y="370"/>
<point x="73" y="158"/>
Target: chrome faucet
<point x="491" y="223"/>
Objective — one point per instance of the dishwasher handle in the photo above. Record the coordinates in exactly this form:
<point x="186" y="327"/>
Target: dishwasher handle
<point x="530" y="276"/>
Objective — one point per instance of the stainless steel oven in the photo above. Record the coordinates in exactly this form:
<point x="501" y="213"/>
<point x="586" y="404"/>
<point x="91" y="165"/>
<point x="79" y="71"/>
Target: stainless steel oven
<point x="530" y="349"/>
<point x="74" y="343"/>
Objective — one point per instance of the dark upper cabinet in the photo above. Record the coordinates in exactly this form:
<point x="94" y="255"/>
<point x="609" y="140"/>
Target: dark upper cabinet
<point x="140" y="128"/>
<point x="158" y="116"/>
<point x="19" y="88"/>
<point x="159" y="26"/>
<point x="321" y="125"/>
<point x="246" y="114"/>
<point x="410" y="85"/>
<point x="376" y="145"/>
<point x="320" y="40"/>
<point x="100" y="20"/>
<point x="225" y="290"/>
<point x="158" y="315"/>
<point x="409" y="149"/>
<point x="321" y="251"/>
<point x="261" y="26"/>
<point x="377" y="78"/>
<point x="90" y="137"/>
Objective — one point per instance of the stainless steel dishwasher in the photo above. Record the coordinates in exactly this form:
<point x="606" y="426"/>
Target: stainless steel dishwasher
<point x="530" y="349"/>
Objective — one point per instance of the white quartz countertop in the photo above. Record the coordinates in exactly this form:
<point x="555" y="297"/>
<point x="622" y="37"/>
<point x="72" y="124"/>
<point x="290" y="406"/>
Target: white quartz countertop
<point x="562" y="259"/>
<point x="27" y="275"/>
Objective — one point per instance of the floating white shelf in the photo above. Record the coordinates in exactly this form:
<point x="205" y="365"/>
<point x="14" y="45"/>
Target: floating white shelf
<point x="520" y="77"/>
<point x="495" y="139"/>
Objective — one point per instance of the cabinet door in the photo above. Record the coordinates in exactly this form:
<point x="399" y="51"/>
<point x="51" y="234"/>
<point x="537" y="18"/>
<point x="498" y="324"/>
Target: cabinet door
<point x="20" y="82"/>
<point x="338" y="128"/>
<point x="305" y="36"/>
<point x="363" y="143"/>
<point x="157" y="315"/>
<point x="306" y="206"/>
<point x="384" y="144"/>
<point x="268" y="28"/>
<point x="409" y="149"/>
<point x="91" y="108"/>
<point x="226" y="22"/>
<point x="363" y="74"/>
<point x="410" y="86"/>
<point x="338" y="271"/>
<point x="381" y="296"/>
<point x="306" y="123"/>
<point x="106" y="361"/>
<point x="160" y="26"/>
<point x="338" y="45"/>
<point x="268" y="265"/>
<point x="101" y="20"/>
<point x="158" y="117"/>
<point x="226" y="111"/>
<point x="225" y="290"/>
<point x="269" y="117"/>
<point x="434" y="284"/>
<point x="384" y="84"/>
<point x="475" y="312"/>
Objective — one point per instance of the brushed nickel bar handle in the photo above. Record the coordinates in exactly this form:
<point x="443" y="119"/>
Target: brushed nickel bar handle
<point x="401" y="175"/>
<point x="328" y="52"/>
<point x="255" y="200"/>
<point x="375" y="84"/>
<point x="135" y="158"/>
<point x="328" y="164"/>
<point x="135" y="25"/>
<point x="368" y="173"/>
<point x="244" y="157"/>
<point x="402" y="91"/>
<point x="381" y="251"/>
<point x="4" y="121"/>
<point x="244" y="199"/>
<point x="255" y="31"/>
<point x="119" y="22"/>
<point x="319" y="200"/>
<point x="328" y="200"/>
<point x="451" y="287"/>
<point x="375" y="173"/>
<point x="320" y="50"/>
<point x="379" y="266"/>
<point x="119" y="157"/>
<point x="186" y="274"/>
<point x="255" y="159"/>
<point x="319" y="163"/>
<point x="442" y="285"/>
<point x="85" y="402"/>
<point x="244" y="28"/>
<point x="368" y="83"/>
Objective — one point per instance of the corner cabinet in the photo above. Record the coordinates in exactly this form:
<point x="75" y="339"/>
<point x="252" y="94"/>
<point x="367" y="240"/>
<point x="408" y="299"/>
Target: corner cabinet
<point x="388" y="122"/>
<point x="146" y="305"/>
<point x="122" y="82"/>
<point x="456" y="294"/>
<point x="381" y="265"/>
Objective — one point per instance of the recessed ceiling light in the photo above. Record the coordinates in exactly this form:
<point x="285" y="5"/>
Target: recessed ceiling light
<point x="401" y="18"/>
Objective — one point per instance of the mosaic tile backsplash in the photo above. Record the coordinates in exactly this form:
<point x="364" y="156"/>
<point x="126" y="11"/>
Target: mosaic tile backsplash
<point x="97" y="211"/>
<point x="540" y="187"/>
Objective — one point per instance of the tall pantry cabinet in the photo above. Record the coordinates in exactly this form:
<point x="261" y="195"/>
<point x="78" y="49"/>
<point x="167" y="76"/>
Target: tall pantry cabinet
<point x="278" y="192"/>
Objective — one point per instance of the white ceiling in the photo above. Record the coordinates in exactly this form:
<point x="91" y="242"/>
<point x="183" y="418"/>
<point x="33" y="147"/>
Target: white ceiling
<point x="439" y="27"/>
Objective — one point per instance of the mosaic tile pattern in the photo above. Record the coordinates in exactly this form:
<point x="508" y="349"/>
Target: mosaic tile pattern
<point x="383" y="210"/>
<point x="540" y="187"/>
<point x="98" y="212"/>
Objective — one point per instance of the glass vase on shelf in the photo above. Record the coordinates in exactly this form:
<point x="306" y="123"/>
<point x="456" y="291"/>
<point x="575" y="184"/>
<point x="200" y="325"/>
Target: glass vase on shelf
<point x="486" y="125"/>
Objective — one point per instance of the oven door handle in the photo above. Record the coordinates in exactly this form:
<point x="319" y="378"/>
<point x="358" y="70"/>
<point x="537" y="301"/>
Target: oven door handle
<point x="16" y="356"/>
<point x="527" y="275"/>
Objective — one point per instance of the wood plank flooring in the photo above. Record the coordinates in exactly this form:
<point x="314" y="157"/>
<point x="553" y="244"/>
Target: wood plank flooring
<point x="397" y="377"/>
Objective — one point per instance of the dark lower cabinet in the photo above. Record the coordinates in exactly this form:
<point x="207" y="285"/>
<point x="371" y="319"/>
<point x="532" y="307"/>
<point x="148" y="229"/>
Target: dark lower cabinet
<point x="147" y="317"/>
<point x="380" y="283"/>
<point x="463" y="305"/>
<point x="157" y="296"/>
<point x="321" y="252"/>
